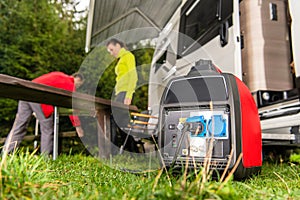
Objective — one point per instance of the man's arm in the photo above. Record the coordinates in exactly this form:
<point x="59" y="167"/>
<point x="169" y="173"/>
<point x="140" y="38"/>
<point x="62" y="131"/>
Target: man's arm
<point x="79" y="131"/>
<point x="76" y="123"/>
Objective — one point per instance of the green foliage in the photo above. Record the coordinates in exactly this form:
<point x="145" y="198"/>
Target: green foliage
<point x="98" y="69"/>
<point x="295" y="158"/>
<point x="107" y="82"/>
<point x="7" y="115"/>
<point x="37" y="37"/>
<point x="143" y="55"/>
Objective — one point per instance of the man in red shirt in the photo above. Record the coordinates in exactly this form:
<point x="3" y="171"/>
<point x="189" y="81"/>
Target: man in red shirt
<point x="43" y="113"/>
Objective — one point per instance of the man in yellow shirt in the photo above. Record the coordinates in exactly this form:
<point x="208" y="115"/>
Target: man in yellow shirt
<point x="126" y="79"/>
<point x="125" y="70"/>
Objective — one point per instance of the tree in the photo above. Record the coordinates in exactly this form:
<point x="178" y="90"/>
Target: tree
<point x="38" y="36"/>
<point x="143" y="55"/>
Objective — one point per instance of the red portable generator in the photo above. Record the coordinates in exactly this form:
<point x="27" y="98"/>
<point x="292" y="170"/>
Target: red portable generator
<point x="210" y="114"/>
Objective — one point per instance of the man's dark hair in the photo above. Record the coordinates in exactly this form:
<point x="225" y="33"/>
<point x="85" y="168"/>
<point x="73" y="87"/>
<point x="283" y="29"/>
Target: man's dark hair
<point x="115" y="41"/>
<point x="77" y="74"/>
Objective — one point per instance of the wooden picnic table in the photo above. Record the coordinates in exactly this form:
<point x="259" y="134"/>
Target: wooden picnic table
<point x="20" y="89"/>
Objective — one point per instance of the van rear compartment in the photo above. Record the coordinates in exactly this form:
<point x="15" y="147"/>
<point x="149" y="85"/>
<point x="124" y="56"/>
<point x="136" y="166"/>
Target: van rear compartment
<point x="266" y="52"/>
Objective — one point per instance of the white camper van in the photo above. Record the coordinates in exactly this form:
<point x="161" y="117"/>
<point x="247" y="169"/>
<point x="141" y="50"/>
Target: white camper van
<point x="254" y="40"/>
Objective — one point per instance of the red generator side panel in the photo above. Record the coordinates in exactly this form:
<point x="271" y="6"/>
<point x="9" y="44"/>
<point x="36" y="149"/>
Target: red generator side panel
<point x="251" y="130"/>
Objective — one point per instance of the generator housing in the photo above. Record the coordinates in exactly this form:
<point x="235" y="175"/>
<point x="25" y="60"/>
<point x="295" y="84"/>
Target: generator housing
<point x="209" y="114"/>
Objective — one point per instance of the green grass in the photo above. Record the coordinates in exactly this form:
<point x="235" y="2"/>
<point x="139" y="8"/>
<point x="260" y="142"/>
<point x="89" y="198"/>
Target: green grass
<point x="27" y="176"/>
<point x="276" y="181"/>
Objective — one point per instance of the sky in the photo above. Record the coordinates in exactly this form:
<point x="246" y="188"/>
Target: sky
<point x="83" y="4"/>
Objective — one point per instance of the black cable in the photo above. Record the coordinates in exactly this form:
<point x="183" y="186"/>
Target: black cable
<point x="183" y="132"/>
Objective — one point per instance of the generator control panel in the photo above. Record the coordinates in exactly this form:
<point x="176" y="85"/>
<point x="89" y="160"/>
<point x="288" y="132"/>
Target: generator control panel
<point x="198" y="129"/>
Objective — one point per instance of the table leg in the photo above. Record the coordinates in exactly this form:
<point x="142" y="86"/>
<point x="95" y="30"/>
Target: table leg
<point x="103" y="126"/>
<point x="55" y="137"/>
